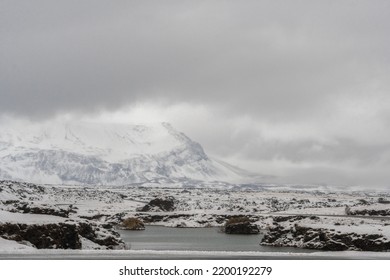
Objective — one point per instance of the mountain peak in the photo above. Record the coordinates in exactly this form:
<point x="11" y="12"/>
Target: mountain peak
<point x="103" y="153"/>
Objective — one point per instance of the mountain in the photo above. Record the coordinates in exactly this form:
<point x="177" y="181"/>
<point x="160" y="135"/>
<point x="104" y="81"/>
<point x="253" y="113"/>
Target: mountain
<point x="102" y="154"/>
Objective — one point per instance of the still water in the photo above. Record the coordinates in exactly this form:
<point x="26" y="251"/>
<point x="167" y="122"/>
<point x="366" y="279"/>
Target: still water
<point x="196" y="239"/>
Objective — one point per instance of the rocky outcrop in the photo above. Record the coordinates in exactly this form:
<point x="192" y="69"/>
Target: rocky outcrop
<point x="166" y="204"/>
<point x="42" y="209"/>
<point x="279" y="219"/>
<point x="96" y="217"/>
<point x="60" y="235"/>
<point x="102" y="234"/>
<point x="370" y="212"/>
<point x="383" y="200"/>
<point x="48" y="236"/>
<point x="323" y="239"/>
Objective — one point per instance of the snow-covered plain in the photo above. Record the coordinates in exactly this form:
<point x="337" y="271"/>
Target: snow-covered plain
<point x="194" y="206"/>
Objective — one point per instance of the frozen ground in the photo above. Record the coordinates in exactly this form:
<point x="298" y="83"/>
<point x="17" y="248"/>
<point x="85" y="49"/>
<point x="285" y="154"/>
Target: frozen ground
<point x="331" y="210"/>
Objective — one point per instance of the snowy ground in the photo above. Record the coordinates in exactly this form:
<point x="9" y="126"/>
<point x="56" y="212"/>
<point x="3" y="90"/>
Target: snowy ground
<point x="11" y="246"/>
<point x="203" y="205"/>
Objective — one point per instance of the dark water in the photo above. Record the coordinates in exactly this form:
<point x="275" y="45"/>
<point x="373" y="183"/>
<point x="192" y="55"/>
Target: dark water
<point x="191" y="244"/>
<point x="196" y="239"/>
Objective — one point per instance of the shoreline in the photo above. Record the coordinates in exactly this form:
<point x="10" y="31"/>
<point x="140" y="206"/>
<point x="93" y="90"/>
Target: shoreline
<point x="55" y="254"/>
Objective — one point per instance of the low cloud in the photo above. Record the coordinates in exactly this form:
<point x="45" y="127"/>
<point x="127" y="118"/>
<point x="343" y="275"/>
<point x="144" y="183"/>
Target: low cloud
<point x="293" y="88"/>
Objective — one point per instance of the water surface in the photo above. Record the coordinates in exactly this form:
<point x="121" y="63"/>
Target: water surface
<point x="196" y="239"/>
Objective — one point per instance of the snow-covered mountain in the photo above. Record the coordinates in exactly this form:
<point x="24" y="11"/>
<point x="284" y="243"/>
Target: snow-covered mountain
<point x="96" y="153"/>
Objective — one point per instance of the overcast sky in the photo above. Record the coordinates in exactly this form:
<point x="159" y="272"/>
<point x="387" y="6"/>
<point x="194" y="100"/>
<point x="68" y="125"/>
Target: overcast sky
<point x="297" y="89"/>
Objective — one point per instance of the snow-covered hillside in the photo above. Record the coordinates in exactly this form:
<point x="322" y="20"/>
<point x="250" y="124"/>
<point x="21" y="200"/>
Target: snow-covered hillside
<point x="95" y="153"/>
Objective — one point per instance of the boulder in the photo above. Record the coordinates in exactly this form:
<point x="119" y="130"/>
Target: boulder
<point x="242" y="228"/>
<point x="132" y="224"/>
<point x="240" y="225"/>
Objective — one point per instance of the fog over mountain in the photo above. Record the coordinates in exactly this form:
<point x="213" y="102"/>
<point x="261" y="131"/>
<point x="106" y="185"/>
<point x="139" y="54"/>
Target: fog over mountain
<point x="107" y="154"/>
<point x="296" y="89"/>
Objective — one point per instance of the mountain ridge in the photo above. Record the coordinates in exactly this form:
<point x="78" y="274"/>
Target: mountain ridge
<point x="106" y="154"/>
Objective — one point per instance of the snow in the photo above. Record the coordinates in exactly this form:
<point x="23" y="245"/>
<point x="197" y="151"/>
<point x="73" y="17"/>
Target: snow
<point x="349" y="225"/>
<point x="89" y="245"/>
<point x="12" y="246"/>
<point x="9" y="217"/>
<point x="102" y="153"/>
<point x="114" y="142"/>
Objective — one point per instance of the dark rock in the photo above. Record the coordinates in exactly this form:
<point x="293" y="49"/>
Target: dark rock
<point x="162" y="204"/>
<point x="240" y="225"/>
<point x="59" y="236"/>
<point x="383" y="200"/>
<point x="86" y="230"/>
<point x="116" y="218"/>
<point x="48" y="236"/>
<point x="323" y="239"/>
<point x="148" y="218"/>
<point x="363" y="202"/>
<point x="8" y="202"/>
<point x="368" y="244"/>
<point x="107" y="226"/>
<point x="332" y="245"/>
<point x="242" y="228"/>
<point x="43" y="210"/>
<point x="110" y="242"/>
<point x="279" y="219"/>
<point x="94" y="217"/>
<point x="274" y="234"/>
<point x="370" y="212"/>
<point x="91" y="232"/>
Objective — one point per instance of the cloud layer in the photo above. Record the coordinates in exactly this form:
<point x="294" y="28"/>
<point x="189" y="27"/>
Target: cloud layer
<point x="296" y="88"/>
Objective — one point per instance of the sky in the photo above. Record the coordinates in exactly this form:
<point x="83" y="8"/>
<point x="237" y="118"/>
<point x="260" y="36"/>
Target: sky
<point x="295" y="89"/>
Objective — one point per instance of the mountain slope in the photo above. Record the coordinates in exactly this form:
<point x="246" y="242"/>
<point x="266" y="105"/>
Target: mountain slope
<point x="91" y="153"/>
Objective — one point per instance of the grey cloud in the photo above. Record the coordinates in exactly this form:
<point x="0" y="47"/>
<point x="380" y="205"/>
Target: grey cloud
<point x="314" y="151"/>
<point x="310" y="64"/>
<point x="270" y="58"/>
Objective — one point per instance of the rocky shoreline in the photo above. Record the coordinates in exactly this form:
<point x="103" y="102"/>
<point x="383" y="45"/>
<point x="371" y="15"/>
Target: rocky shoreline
<point x="288" y="233"/>
<point x="61" y="235"/>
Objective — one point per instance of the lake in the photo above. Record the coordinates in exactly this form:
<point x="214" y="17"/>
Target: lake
<point x="197" y="239"/>
<point x="157" y="242"/>
<point x="165" y="243"/>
